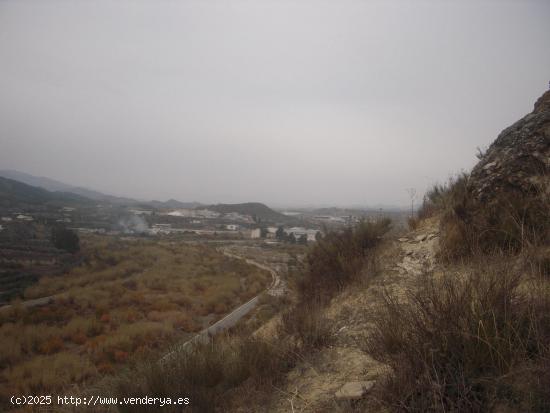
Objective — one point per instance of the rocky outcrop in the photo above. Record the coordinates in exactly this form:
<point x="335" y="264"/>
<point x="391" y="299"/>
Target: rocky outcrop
<point x="504" y="203"/>
<point x="518" y="161"/>
<point x="354" y="390"/>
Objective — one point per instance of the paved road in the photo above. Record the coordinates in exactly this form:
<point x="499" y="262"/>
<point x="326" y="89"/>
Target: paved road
<point x="31" y="303"/>
<point x="276" y="289"/>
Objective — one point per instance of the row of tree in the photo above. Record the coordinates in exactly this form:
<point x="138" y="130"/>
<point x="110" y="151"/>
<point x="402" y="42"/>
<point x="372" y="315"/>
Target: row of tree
<point x="281" y="235"/>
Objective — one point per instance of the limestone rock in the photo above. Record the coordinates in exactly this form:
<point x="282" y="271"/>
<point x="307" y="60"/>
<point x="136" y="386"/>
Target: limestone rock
<point x="421" y="237"/>
<point x="518" y="161"/>
<point x="354" y="390"/>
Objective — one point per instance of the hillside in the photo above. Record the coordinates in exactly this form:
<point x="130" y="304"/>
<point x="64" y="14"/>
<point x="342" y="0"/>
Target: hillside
<point x="504" y="202"/>
<point x="15" y="194"/>
<point x="451" y="315"/>
<point x="57" y="186"/>
<point x="255" y="209"/>
<point x="171" y="204"/>
<point x="454" y="316"/>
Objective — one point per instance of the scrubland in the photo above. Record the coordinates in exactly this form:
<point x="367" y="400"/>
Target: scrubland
<point x="129" y="299"/>
<point x="475" y="335"/>
<point x="236" y="368"/>
<point x="470" y="332"/>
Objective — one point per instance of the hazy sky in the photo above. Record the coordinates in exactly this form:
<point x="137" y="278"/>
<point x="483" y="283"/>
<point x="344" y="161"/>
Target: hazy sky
<point x="285" y="102"/>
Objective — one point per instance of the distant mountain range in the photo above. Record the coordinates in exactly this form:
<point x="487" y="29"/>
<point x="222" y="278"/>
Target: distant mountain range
<point x="172" y="204"/>
<point x="22" y="187"/>
<point x="57" y="186"/>
<point x="14" y="194"/>
<point x="255" y="209"/>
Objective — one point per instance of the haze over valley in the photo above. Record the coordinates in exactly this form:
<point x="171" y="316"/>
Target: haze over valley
<point x="274" y="206"/>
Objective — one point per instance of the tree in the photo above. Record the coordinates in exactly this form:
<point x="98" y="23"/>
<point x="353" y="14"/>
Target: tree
<point x="292" y="238"/>
<point x="280" y="233"/>
<point x="318" y="236"/>
<point x="65" y="239"/>
<point x="302" y="239"/>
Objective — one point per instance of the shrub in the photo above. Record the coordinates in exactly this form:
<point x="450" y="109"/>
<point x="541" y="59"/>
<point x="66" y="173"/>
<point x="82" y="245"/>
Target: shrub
<point x="305" y="323"/>
<point x="339" y="257"/>
<point x="413" y="222"/>
<point x="204" y="373"/>
<point x="50" y="346"/>
<point x="65" y="239"/>
<point x="440" y="198"/>
<point x="460" y="343"/>
<point x="10" y="351"/>
<point x="49" y="373"/>
<point x="510" y="221"/>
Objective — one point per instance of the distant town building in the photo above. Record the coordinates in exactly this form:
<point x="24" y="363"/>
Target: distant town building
<point x="193" y="213"/>
<point x="330" y="219"/>
<point x="235" y="216"/>
<point x="300" y="231"/>
<point x="141" y="211"/>
<point x="256" y="233"/>
<point x="232" y="227"/>
<point x="271" y="232"/>
<point x="24" y="217"/>
<point x="161" y="229"/>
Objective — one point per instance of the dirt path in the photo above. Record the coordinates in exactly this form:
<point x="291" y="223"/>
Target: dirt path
<point x="313" y="384"/>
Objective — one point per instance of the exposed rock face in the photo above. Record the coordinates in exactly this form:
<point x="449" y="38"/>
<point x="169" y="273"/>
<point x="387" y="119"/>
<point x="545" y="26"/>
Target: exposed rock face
<point x="354" y="390"/>
<point x="504" y="204"/>
<point x="518" y="161"/>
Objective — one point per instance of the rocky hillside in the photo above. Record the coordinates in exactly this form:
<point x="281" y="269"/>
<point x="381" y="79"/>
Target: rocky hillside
<point x="383" y="322"/>
<point x="421" y="333"/>
<point x="518" y="161"/>
<point x="504" y="201"/>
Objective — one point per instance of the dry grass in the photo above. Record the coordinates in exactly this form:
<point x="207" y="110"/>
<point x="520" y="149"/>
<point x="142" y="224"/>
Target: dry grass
<point x="511" y="221"/>
<point x="332" y="263"/>
<point x="127" y="301"/>
<point x="467" y="343"/>
<point x="206" y="373"/>
<point x="226" y="371"/>
<point x="475" y="339"/>
<point x="306" y="325"/>
<point x="338" y="258"/>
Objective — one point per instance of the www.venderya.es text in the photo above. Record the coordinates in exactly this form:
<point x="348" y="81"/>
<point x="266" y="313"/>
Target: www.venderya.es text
<point x="46" y="400"/>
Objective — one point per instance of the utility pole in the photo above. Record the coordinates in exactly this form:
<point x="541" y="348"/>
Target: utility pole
<point x="412" y="196"/>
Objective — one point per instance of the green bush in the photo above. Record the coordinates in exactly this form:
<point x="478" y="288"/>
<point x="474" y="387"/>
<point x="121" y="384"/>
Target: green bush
<point x="65" y="239"/>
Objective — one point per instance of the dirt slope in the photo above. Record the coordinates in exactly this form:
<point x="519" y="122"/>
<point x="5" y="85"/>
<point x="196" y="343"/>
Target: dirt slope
<point x="312" y="385"/>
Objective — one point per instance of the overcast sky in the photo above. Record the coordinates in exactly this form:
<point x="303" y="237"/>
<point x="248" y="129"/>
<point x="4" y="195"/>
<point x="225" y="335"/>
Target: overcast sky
<point x="284" y="102"/>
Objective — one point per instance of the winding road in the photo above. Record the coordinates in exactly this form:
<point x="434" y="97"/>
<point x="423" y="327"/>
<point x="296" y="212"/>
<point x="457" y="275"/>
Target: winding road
<point x="277" y="288"/>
